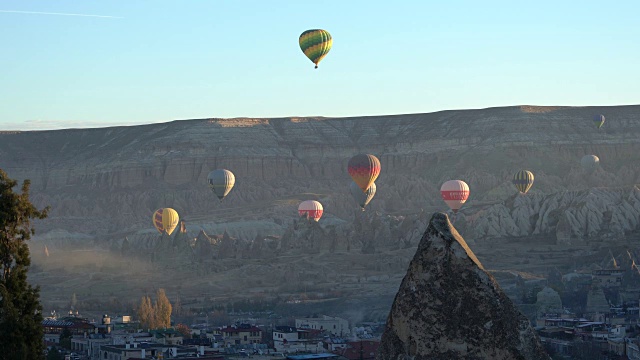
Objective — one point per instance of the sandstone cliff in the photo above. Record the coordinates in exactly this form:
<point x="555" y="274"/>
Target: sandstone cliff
<point x="106" y="182"/>
<point x="449" y="307"/>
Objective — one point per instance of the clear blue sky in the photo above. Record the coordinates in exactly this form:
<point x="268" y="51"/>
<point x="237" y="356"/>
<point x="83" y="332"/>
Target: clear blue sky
<point x="162" y="60"/>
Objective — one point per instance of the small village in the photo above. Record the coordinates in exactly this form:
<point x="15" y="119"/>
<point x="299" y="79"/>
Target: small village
<point x="606" y="328"/>
<point x="603" y="330"/>
<point x="319" y="337"/>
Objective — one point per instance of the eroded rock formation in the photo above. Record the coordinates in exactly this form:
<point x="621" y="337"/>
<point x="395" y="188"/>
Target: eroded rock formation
<point x="449" y="307"/>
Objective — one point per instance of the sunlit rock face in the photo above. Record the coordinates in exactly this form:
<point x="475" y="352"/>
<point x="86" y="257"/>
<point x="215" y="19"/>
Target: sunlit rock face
<point x="449" y="307"/>
<point x="103" y="182"/>
<point x="573" y="216"/>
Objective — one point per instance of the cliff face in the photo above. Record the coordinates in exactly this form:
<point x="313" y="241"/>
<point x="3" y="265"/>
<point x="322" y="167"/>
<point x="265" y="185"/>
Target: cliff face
<point x="449" y="307"/>
<point x="108" y="181"/>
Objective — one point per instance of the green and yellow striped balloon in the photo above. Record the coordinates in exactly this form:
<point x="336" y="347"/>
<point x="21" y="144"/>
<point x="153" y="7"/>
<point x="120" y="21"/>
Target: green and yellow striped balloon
<point x="523" y="180"/>
<point x="315" y="44"/>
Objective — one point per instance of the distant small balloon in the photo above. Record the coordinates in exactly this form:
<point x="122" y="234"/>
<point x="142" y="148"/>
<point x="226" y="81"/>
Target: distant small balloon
<point x="165" y="220"/>
<point x="590" y="162"/>
<point x="364" y="170"/>
<point x="523" y="180"/>
<point x="221" y="181"/>
<point x="599" y="120"/>
<point x="310" y="208"/>
<point x="455" y="193"/>
<point x="362" y="198"/>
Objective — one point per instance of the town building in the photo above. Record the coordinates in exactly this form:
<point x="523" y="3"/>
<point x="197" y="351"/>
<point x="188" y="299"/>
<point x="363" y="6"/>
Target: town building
<point x="242" y="334"/>
<point x="289" y="339"/>
<point x="334" y="325"/>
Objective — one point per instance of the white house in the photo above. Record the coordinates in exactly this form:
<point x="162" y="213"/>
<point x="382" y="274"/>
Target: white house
<point x="335" y="325"/>
<point x="288" y="339"/>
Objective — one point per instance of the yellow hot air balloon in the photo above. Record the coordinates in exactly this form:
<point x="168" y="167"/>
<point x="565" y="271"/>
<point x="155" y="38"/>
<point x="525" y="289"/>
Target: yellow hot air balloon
<point x="170" y="220"/>
<point x="315" y="44"/>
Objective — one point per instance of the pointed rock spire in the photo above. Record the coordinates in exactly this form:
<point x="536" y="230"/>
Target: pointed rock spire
<point x="449" y="307"/>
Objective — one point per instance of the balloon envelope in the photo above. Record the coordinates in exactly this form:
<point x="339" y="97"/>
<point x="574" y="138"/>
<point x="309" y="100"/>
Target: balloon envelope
<point x="311" y="208"/>
<point x="157" y="220"/>
<point x="523" y="180"/>
<point x="455" y="193"/>
<point x="599" y="120"/>
<point x="221" y="181"/>
<point x="364" y="170"/>
<point x="170" y="220"/>
<point x="362" y="198"/>
<point x="589" y="162"/>
<point x="315" y="44"/>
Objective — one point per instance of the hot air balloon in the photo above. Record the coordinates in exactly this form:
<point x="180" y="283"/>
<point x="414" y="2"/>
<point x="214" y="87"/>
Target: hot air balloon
<point x="589" y="162"/>
<point x="523" y="180"/>
<point x="170" y="220"/>
<point x="362" y="198"/>
<point x="165" y="220"/>
<point x="364" y="170"/>
<point x="455" y="193"/>
<point x="315" y="44"/>
<point x="310" y="208"/>
<point x="221" y="182"/>
<point x="599" y="120"/>
<point x="157" y="220"/>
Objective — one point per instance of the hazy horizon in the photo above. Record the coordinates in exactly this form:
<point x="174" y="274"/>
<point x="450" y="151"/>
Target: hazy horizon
<point x="36" y="125"/>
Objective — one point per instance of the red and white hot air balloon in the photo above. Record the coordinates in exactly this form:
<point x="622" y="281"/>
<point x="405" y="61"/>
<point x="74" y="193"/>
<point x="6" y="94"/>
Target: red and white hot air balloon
<point x="311" y="208"/>
<point x="455" y="193"/>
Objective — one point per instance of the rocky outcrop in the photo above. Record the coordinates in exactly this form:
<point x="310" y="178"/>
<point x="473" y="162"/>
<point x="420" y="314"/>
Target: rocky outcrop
<point x="449" y="307"/>
<point x="571" y="217"/>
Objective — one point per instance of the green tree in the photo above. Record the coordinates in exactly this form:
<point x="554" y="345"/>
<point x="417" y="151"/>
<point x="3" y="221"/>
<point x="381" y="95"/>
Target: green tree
<point x="20" y="309"/>
<point x="65" y="339"/>
<point x="54" y="354"/>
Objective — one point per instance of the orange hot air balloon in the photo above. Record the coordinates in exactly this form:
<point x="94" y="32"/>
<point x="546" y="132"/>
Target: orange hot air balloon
<point x="310" y="208"/>
<point x="157" y="220"/>
<point x="455" y="193"/>
<point x="364" y="170"/>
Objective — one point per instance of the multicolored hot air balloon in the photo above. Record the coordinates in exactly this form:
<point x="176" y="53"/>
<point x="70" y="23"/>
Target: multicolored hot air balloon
<point x="364" y="170"/>
<point x="165" y="220"/>
<point x="315" y="44"/>
<point x="599" y="120"/>
<point x="157" y="220"/>
<point x="221" y="182"/>
<point x="589" y="163"/>
<point x="523" y="180"/>
<point x="455" y="193"/>
<point x="362" y="198"/>
<point x="310" y="208"/>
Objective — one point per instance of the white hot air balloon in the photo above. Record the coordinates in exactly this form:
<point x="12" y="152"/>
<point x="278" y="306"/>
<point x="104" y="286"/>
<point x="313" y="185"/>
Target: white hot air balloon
<point x="455" y="193"/>
<point x="310" y="208"/>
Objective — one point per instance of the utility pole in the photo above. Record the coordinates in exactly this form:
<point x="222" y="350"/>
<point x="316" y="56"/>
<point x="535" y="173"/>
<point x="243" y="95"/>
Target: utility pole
<point x="361" y="351"/>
